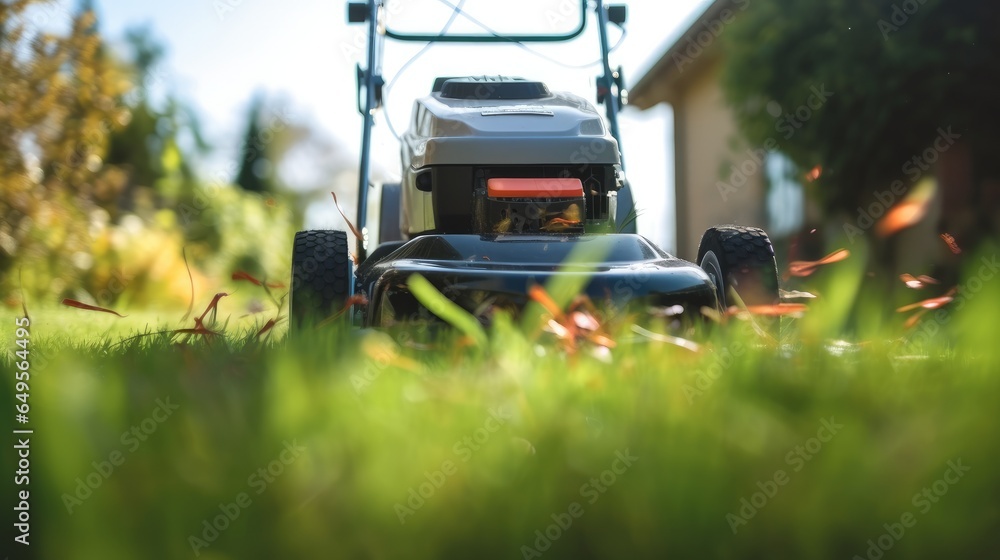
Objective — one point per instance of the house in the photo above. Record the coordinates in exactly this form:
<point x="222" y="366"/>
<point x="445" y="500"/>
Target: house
<point x="718" y="177"/>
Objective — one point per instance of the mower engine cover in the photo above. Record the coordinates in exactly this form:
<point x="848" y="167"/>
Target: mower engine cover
<point x="494" y="155"/>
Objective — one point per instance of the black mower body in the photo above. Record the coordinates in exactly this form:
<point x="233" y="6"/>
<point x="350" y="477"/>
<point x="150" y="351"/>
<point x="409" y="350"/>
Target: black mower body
<point x="486" y="272"/>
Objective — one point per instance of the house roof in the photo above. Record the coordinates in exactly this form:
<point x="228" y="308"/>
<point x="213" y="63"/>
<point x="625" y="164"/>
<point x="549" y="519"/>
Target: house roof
<point x="656" y="84"/>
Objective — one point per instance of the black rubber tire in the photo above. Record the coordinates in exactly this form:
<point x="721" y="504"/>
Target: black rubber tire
<point x="389" y="214"/>
<point x="742" y="258"/>
<point x="322" y="276"/>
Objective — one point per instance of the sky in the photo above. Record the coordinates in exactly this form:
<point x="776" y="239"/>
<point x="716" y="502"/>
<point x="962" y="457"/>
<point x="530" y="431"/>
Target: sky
<point x="301" y="54"/>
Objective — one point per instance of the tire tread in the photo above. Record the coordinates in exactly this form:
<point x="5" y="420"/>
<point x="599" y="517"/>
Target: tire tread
<point x="321" y="274"/>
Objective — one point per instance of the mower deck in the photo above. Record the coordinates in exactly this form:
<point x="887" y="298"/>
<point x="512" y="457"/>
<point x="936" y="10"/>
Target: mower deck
<point x="479" y="272"/>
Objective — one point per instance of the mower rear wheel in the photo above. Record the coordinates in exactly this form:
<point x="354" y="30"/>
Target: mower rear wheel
<point x="322" y="276"/>
<point x="741" y="258"/>
<point x="389" y="225"/>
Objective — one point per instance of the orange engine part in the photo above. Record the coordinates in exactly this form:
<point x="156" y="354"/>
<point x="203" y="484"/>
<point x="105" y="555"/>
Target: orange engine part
<point x="534" y="188"/>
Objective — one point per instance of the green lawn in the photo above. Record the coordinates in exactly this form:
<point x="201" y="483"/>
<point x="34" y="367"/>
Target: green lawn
<point x="363" y="444"/>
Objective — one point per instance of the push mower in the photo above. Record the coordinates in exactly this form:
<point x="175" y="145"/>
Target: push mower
<point x="502" y="181"/>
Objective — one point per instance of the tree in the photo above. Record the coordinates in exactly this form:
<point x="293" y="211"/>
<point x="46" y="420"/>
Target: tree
<point x="95" y="173"/>
<point x="256" y="172"/>
<point x="901" y="73"/>
<point x="59" y="101"/>
<point x="151" y="143"/>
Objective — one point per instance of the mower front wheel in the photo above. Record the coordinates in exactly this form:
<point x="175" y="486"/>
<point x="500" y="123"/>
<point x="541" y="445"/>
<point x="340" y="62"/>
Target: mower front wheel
<point x="322" y="276"/>
<point x="741" y="258"/>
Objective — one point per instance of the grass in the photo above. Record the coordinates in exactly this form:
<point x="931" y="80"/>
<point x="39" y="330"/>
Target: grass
<point x="509" y="438"/>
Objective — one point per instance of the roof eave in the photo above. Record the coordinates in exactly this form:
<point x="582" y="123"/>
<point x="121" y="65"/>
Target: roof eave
<point x="660" y="81"/>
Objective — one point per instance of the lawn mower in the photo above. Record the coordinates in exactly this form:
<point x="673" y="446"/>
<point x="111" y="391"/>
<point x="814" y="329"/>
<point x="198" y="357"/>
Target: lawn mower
<point x="503" y="180"/>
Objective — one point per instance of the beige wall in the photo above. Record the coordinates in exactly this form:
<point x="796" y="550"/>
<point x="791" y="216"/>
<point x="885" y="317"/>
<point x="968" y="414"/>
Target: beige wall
<point x="706" y="145"/>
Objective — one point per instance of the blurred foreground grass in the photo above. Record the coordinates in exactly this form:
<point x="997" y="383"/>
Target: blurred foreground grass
<point x="364" y="444"/>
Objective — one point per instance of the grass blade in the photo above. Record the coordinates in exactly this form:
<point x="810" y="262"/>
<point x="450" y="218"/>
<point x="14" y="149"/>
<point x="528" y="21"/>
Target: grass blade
<point x="447" y="310"/>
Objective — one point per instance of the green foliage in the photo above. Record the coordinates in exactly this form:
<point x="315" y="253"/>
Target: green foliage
<point x="898" y="72"/>
<point x="59" y="102"/>
<point x="160" y="139"/>
<point x="228" y="229"/>
<point x="99" y="197"/>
